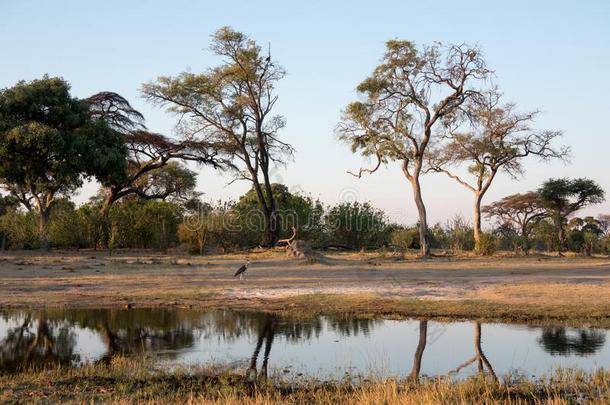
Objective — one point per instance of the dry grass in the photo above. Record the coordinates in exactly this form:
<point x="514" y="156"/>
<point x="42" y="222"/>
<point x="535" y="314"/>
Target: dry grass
<point x="537" y="288"/>
<point x="130" y="381"/>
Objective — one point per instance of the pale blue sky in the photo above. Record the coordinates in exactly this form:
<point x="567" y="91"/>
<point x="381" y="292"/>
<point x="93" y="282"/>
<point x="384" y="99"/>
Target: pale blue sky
<point x="547" y="54"/>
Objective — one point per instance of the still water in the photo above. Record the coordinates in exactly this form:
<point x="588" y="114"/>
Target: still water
<point x="323" y="347"/>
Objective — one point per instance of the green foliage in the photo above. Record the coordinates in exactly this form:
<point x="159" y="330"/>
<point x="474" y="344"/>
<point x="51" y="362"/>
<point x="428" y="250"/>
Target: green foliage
<point x="49" y="141"/>
<point x="563" y="197"/>
<point x="357" y="225"/>
<point x="21" y="230"/>
<point x="487" y="245"/>
<point x="293" y="209"/>
<point x="460" y="235"/>
<point x="144" y="224"/>
<point x="66" y="226"/>
<point x="211" y="227"/>
<point x="405" y="238"/>
<point x="585" y="235"/>
<point x="544" y="235"/>
<point x="50" y="137"/>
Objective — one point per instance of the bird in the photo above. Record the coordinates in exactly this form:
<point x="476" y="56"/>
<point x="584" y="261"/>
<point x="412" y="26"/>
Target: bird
<point x="242" y="270"/>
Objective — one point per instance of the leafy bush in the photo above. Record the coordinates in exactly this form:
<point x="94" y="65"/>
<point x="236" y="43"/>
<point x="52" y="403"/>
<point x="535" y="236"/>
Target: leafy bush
<point x="405" y="238"/>
<point x="21" y="230"/>
<point x="294" y="210"/>
<point x="357" y="225"/>
<point x="460" y="234"/>
<point x="487" y="245"/>
<point x="144" y="224"/>
<point x="210" y="226"/>
<point x="67" y="226"/>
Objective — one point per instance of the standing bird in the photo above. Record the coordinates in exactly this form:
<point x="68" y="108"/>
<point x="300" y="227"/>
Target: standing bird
<point x="240" y="272"/>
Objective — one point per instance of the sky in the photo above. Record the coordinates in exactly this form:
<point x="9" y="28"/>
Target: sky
<point x="547" y="55"/>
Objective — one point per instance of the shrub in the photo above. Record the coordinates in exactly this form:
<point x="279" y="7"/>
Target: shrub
<point x="459" y="234"/>
<point x="487" y="245"/>
<point x="21" y="230"/>
<point x="405" y="238"/>
<point x="357" y="225"/>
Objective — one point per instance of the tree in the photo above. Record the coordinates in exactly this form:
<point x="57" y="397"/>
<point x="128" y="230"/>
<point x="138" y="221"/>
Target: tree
<point x="150" y="171"/>
<point x="407" y="97"/>
<point x="520" y="210"/>
<point x="562" y="197"/>
<point x="230" y="106"/>
<point x="490" y="137"/>
<point x="48" y="143"/>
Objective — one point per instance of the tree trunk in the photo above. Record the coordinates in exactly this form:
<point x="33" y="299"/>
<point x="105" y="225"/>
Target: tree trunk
<point x="104" y="225"/>
<point x="483" y="361"/>
<point x="525" y="244"/>
<point x="273" y="228"/>
<point x="561" y="235"/>
<point x="477" y="222"/>
<point x="424" y="246"/>
<point x="419" y="352"/>
<point x="43" y="227"/>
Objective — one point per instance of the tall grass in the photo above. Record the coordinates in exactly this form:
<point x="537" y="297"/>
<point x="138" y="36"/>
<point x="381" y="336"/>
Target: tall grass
<point x="135" y="381"/>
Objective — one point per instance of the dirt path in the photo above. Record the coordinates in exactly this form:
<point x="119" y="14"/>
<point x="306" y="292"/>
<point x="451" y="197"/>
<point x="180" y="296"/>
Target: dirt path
<point x="94" y="279"/>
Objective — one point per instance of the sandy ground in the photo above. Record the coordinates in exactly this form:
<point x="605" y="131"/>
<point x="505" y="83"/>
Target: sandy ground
<point x="90" y="279"/>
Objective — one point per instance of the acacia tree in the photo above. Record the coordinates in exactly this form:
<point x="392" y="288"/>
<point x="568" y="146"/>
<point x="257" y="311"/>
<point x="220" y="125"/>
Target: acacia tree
<point x="230" y="106"/>
<point x="152" y="168"/>
<point x="48" y="143"/>
<point x="490" y="137"/>
<point x="562" y="197"/>
<point x="150" y="171"/>
<point x="520" y="210"/>
<point x="406" y="99"/>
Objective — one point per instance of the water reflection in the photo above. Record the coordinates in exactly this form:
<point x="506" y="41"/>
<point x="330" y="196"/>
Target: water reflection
<point x="419" y="351"/>
<point x="322" y="345"/>
<point x="38" y="342"/>
<point x="479" y="357"/>
<point x="582" y="342"/>
<point x="266" y="335"/>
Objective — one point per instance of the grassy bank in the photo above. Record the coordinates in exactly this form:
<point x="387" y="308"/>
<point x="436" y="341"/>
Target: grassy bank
<point x="130" y="381"/>
<point x="597" y="315"/>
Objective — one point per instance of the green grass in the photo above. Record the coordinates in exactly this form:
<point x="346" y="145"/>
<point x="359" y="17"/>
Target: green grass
<point x="136" y="381"/>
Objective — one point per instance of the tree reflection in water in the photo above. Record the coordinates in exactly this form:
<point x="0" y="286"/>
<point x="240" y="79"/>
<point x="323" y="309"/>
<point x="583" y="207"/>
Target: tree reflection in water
<point x="266" y="335"/>
<point x="419" y="352"/>
<point x="49" y="337"/>
<point x="581" y="342"/>
<point x="479" y="357"/>
<point x="37" y="343"/>
<point x="140" y="331"/>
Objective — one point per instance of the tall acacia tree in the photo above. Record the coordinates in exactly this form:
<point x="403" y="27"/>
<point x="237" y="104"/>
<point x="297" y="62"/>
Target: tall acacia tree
<point x="406" y="99"/>
<point x="231" y="106"/>
<point x="563" y="197"/>
<point x="490" y="137"/>
<point x="48" y="143"/>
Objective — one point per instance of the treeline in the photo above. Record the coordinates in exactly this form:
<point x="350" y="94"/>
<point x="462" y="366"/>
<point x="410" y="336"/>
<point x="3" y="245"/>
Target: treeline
<point x="425" y="109"/>
<point x="199" y="228"/>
